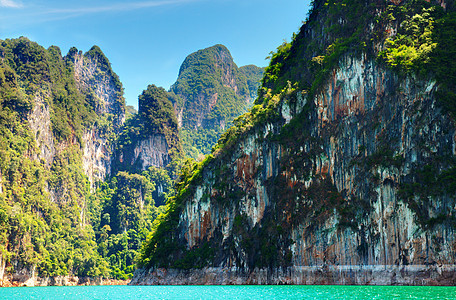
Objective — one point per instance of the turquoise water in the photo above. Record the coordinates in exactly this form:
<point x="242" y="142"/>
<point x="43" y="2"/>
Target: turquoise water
<point x="230" y="292"/>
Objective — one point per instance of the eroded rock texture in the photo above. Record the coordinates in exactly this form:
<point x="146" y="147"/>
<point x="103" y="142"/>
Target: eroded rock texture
<point x="334" y="202"/>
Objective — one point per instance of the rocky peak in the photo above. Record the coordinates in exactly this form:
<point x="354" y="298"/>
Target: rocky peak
<point x="94" y="77"/>
<point x="96" y="80"/>
<point x="150" y="138"/>
<point x="211" y="91"/>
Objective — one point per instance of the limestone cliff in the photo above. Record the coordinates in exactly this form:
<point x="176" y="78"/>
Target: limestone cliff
<point x="57" y="117"/>
<point x="210" y="92"/>
<point x="97" y="82"/>
<point x="95" y="78"/>
<point x="150" y="138"/>
<point x="345" y="174"/>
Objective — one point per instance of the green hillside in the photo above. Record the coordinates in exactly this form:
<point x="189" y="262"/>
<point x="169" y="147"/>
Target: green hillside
<point x="211" y="91"/>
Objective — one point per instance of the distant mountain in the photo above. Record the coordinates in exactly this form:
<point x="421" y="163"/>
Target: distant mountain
<point x="150" y="137"/>
<point x="211" y="91"/>
<point x="130" y="110"/>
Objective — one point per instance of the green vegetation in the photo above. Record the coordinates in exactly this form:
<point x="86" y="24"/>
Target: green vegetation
<point x="130" y="111"/>
<point x="37" y="70"/>
<point x="49" y="219"/>
<point x="156" y="111"/>
<point x="209" y="93"/>
<point x="287" y="63"/>
<point x="319" y="56"/>
<point x="121" y="212"/>
<point x="42" y="203"/>
<point x="425" y="44"/>
<point x="125" y="206"/>
<point x="427" y="183"/>
<point x="155" y="118"/>
<point x="162" y="247"/>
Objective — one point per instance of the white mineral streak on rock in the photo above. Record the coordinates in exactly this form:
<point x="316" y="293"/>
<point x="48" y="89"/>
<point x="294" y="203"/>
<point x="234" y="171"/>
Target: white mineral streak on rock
<point x="97" y="152"/>
<point x="2" y="266"/>
<point x="96" y="160"/>
<point x="388" y="245"/>
<point x="198" y="218"/>
<point x="152" y="151"/>
<point x="41" y="126"/>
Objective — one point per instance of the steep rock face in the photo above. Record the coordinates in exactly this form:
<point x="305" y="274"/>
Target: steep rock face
<point x="152" y="152"/>
<point x="150" y="138"/>
<point x="210" y="92"/>
<point x="333" y="198"/>
<point x="40" y="124"/>
<point x="343" y="172"/>
<point x="49" y="119"/>
<point x="96" y="81"/>
<point x="95" y="78"/>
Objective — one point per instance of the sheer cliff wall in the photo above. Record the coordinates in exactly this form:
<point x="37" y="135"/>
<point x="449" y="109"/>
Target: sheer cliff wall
<point x="331" y="205"/>
<point x="344" y="177"/>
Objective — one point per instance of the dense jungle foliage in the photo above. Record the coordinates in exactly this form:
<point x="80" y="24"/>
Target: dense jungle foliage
<point x="50" y="221"/>
<point x="155" y="117"/>
<point x="41" y="202"/>
<point x="50" y="217"/>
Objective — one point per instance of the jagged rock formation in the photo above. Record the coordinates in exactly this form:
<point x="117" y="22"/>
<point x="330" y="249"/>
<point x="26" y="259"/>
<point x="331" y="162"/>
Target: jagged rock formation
<point x="211" y="91"/>
<point x="96" y="81"/>
<point x="150" y="138"/>
<point x="95" y="78"/>
<point x="345" y="174"/>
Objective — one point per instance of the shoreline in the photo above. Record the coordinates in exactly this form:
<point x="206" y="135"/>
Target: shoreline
<point x="61" y="281"/>
<point x="388" y="275"/>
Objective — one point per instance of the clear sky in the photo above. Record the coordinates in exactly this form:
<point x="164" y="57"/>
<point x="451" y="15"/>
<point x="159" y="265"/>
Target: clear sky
<point x="147" y="41"/>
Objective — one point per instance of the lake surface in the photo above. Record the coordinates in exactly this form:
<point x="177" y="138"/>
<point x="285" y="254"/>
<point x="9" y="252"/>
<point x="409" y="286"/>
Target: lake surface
<point x="229" y="292"/>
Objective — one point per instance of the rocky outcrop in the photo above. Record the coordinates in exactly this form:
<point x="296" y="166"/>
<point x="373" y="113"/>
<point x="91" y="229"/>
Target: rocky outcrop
<point x="40" y="124"/>
<point x="201" y="94"/>
<point x="210" y="92"/>
<point x="96" y="80"/>
<point x="327" y="204"/>
<point x="59" y="115"/>
<point x="342" y="174"/>
<point x="151" y="137"/>
<point x="152" y="152"/>
<point x="94" y="76"/>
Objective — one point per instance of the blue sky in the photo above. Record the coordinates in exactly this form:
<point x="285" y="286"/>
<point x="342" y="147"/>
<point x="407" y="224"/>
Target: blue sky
<point x="147" y="41"/>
